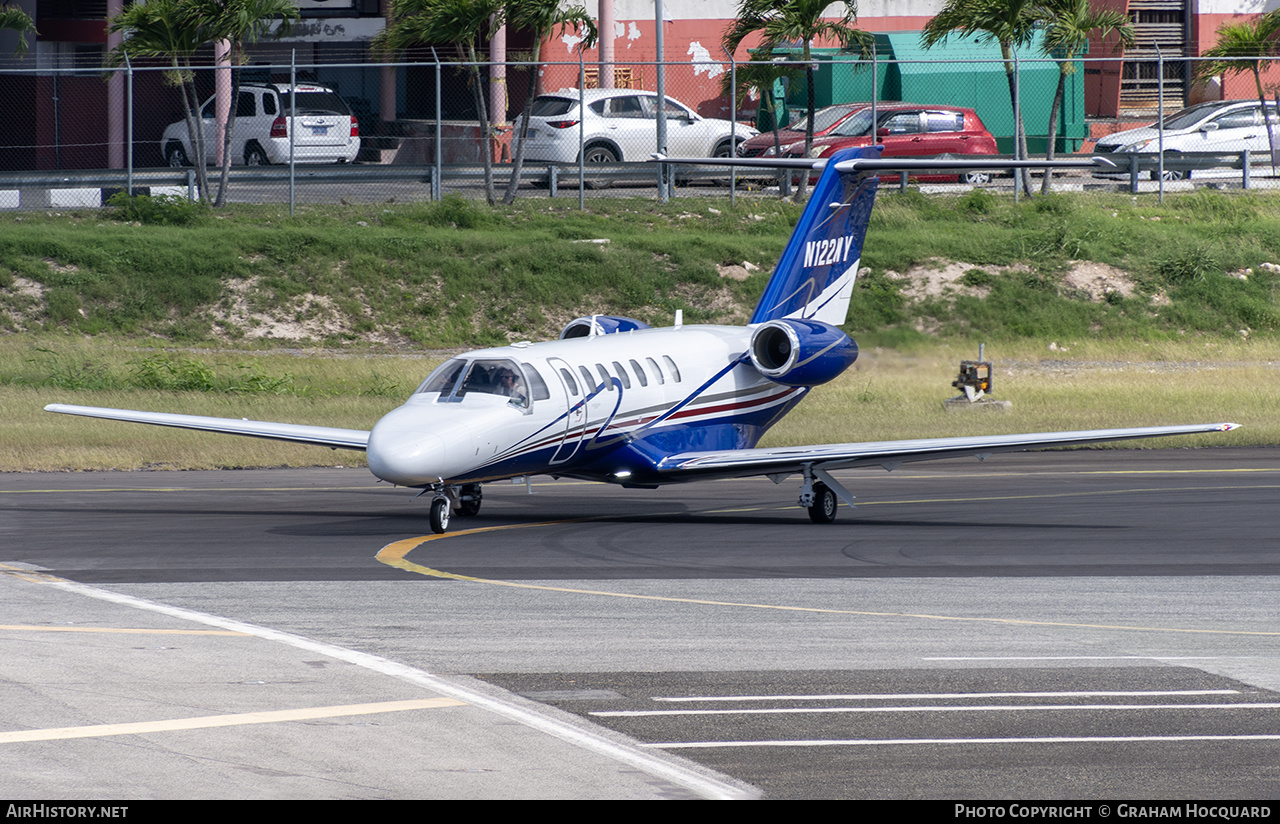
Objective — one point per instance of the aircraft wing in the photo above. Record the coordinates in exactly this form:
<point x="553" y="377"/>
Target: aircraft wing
<point x="316" y="435"/>
<point x="736" y="463"/>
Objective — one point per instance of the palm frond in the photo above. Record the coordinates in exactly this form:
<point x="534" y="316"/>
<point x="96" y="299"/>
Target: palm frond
<point x="15" y="19"/>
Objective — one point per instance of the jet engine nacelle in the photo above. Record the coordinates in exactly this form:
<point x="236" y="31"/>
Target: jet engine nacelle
<point x="797" y="352"/>
<point x="603" y="325"/>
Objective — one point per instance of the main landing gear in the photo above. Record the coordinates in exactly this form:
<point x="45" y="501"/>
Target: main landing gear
<point x="821" y="497"/>
<point x="463" y="499"/>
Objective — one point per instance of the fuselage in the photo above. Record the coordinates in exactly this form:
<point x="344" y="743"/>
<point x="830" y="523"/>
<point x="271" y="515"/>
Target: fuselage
<point x="605" y="407"/>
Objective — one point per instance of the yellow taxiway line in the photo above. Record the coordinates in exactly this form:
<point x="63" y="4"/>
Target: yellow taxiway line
<point x="395" y="555"/>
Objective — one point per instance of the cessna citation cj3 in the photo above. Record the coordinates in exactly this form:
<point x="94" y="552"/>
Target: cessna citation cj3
<point x="614" y="400"/>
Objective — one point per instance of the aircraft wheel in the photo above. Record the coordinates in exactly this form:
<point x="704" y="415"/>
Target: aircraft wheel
<point x="823" y="508"/>
<point x="439" y="515"/>
<point x="470" y="500"/>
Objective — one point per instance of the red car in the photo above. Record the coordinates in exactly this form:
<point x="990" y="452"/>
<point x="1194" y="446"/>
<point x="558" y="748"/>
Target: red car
<point x="824" y="120"/>
<point x="910" y="130"/>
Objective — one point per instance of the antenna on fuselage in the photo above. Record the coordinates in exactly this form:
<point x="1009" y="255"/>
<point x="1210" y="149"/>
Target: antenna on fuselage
<point x="679" y="318"/>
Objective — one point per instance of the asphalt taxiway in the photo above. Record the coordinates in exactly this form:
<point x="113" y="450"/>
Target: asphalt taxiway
<point x="1078" y="624"/>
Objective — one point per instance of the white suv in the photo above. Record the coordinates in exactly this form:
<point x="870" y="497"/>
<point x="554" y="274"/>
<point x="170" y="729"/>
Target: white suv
<point x="326" y="130"/>
<point x="621" y="125"/>
<point x="1219" y="126"/>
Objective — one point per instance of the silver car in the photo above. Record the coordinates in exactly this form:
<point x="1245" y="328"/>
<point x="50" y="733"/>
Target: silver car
<point x="325" y="130"/>
<point x="621" y="125"/>
<point x="1227" y="126"/>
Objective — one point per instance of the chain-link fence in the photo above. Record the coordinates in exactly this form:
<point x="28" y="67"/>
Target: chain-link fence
<point x="369" y="132"/>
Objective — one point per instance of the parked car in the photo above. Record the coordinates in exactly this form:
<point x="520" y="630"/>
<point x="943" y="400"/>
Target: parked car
<point x="1228" y="126"/>
<point x="326" y="130"/>
<point x="824" y="120"/>
<point x="911" y="130"/>
<point x="621" y="125"/>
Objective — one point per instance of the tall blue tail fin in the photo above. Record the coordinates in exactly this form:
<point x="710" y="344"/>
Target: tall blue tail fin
<point x="814" y="278"/>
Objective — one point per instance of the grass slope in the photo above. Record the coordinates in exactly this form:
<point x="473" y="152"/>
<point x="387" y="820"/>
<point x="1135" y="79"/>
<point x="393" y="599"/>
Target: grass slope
<point x="456" y="274"/>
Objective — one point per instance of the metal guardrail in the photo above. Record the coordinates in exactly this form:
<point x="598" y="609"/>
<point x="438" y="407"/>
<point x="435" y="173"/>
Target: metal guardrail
<point x="1185" y="163"/>
<point x="555" y="177"/>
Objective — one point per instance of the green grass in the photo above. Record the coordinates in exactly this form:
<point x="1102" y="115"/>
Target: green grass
<point x="888" y="395"/>
<point x="458" y="274"/>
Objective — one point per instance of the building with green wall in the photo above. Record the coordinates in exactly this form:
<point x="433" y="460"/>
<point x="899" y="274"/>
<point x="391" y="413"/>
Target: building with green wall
<point x="962" y="72"/>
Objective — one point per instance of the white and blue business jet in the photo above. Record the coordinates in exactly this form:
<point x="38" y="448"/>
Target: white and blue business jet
<point x="616" y="401"/>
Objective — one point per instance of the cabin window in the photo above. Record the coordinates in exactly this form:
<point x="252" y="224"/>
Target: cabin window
<point x="657" y="370"/>
<point x="569" y="381"/>
<point x="588" y="381"/>
<point x="639" y="370"/>
<point x="536" y="383"/>
<point x="604" y="376"/>
<point x="675" y="371"/>
<point x="622" y="375"/>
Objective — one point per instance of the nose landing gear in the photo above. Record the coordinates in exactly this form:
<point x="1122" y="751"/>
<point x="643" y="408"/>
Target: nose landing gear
<point x="463" y="499"/>
<point x="439" y="514"/>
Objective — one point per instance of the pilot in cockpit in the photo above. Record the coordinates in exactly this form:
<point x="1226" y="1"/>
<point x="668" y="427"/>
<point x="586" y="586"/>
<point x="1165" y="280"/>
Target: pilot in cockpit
<point x="511" y="385"/>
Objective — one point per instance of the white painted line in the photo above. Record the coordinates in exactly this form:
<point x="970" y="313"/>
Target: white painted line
<point x="908" y="741"/>
<point x="980" y="708"/>
<point x="587" y="739"/>
<point x="948" y="696"/>
<point x="1107" y="658"/>
<point x="230" y="720"/>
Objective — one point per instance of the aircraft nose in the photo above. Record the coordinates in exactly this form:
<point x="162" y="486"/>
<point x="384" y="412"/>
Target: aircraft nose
<point x="401" y="453"/>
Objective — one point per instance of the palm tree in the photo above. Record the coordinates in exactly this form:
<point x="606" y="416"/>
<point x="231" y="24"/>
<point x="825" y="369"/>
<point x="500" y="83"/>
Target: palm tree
<point x="541" y="18"/>
<point x="161" y="29"/>
<point x="1247" y="46"/>
<point x="15" y="19"/>
<point x="783" y="23"/>
<point x="759" y="75"/>
<point x="1011" y="23"/>
<point x="238" y="22"/>
<point x="462" y="23"/>
<point x="1069" y="24"/>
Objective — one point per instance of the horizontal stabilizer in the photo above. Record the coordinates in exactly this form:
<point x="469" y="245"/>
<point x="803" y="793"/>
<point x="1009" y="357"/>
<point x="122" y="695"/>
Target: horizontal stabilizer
<point x="316" y="435"/>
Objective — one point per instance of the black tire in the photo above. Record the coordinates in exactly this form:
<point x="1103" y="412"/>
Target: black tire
<point x="598" y="154"/>
<point x="976" y="178"/>
<point x="439" y="515"/>
<point x="823" y="508"/>
<point x="471" y="497"/>
<point x="1171" y="174"/>
<point x="175" y="156"/>
<point x="255" y="156"/>
<point x="725" y="148"/>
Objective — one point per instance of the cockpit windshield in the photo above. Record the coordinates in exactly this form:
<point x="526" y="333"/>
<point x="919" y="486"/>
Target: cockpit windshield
<point x="459" y="377"/>
<point x="444" y="378"/>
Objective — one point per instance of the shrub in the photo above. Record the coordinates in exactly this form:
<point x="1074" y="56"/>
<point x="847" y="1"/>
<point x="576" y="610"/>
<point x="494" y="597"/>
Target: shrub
<point x="162" y="210"/>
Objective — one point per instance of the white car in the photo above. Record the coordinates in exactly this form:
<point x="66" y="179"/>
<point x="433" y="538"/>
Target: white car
<point x="326" y="131"/>
<point x="621" y="125"/>
<point x="1228" y="126"/>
